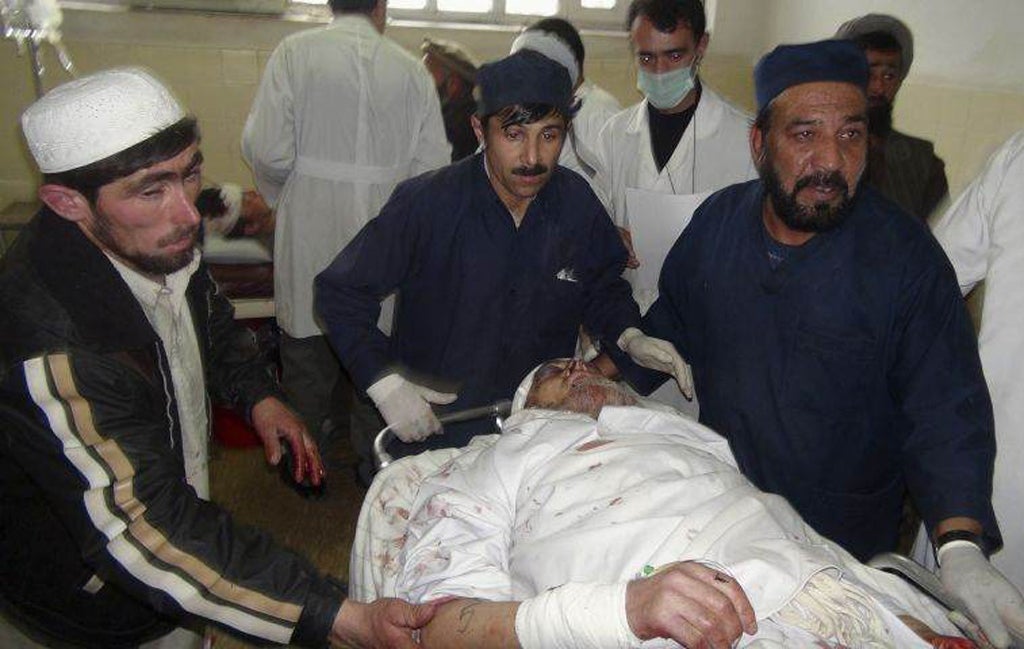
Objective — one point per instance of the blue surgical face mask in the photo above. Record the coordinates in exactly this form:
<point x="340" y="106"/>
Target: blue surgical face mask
<point x="667" y="89"/>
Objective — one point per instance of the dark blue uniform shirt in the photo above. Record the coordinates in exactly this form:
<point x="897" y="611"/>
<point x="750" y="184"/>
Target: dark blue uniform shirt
<point x="841" y="376"/>
<point x="480" y="302"/>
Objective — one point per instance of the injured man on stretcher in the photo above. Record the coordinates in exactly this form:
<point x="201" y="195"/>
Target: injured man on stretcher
<point x="592" y="522"/>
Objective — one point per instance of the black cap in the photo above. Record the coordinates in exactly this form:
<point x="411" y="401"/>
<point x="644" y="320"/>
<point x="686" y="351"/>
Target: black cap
<point x="525" y="77"/>
<point x="791" y="65"/>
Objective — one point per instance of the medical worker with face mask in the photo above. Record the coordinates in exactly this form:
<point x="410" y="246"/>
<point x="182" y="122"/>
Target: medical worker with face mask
<point x="681" y="139"/>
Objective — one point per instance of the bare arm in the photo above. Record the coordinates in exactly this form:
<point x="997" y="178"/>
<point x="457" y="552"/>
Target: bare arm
<point x="693" y="604"/>
<point x="473" y="624"/>
<point x="957" y="523"/>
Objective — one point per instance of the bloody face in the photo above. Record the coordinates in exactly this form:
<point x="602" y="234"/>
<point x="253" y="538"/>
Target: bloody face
<point x="575" y="386"/>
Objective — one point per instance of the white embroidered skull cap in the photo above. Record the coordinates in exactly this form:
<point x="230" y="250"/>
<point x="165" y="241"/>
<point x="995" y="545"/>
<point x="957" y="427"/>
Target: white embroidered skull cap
<point x="94" y="117"/>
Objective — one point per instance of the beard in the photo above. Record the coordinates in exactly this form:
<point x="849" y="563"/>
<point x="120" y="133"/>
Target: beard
<point x="879" y="117"/>
<point x="819" y="217"/>
<point x="148" y="264"/>
<point x="591" y="393"/>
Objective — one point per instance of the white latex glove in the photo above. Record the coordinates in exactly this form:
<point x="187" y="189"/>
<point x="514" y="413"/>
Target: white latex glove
<point x="657" y="354"/>
<point x="405" y="407"/>
<point x="990" y="599"/>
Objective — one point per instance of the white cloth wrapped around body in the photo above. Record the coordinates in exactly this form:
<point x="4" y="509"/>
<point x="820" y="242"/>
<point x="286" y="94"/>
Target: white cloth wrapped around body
<point x="559" y="498"/>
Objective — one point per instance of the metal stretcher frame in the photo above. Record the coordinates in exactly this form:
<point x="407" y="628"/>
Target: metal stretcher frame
<point x="925" y="581"/>
<point x="498" y="410"/>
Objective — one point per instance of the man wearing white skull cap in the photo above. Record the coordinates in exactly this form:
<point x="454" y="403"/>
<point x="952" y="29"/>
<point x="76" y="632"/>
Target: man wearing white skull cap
<point x="112" y="339"/>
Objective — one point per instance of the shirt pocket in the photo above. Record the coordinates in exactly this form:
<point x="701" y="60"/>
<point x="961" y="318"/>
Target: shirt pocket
<point x="830" y="373"/>
<point x="561" y="302"/>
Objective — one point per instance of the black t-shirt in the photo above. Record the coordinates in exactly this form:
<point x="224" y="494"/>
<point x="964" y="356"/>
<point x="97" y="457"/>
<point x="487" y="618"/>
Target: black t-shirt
<point x="667" y="130"/>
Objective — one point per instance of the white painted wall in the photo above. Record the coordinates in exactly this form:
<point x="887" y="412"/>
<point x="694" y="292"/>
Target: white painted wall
<point x="738" y="27"/>
<point x="965" y="93"/>
<point x="973" y="44"/>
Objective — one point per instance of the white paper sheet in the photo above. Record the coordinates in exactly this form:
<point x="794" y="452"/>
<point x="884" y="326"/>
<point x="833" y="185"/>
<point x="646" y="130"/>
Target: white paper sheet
<point x="655" y="222"/>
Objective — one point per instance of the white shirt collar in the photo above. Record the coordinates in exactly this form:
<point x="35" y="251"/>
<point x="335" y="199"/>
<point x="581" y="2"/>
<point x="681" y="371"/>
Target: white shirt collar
<point x="148" y="291"/>
<point x="357" y="21"/>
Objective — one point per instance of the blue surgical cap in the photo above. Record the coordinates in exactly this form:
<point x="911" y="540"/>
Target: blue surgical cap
<point x="792" y="65"/>
<point x="525" y="77"/>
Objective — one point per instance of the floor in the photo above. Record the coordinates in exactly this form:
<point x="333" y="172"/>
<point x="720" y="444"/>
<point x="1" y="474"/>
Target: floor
<point x="321" y="530"/>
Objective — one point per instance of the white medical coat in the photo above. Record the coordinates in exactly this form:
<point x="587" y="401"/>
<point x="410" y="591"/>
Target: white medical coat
<point x="712" y="153"/>
<point x="580" y="150"/>
<point x="983" y="235"/>
<point x="559" y="497"/>
<point x="341" y="116"/>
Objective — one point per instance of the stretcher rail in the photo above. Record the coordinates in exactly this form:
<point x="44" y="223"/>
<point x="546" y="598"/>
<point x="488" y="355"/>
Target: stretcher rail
<point x="498" y="410"/>
<point x="929" y="584"/>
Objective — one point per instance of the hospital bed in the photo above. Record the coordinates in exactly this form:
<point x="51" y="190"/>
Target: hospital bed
<point x="380" y="533"/>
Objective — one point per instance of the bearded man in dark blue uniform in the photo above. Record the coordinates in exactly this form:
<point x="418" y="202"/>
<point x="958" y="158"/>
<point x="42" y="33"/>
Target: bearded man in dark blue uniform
<point x="827" y="337"/>
<point x="497" y="261"/>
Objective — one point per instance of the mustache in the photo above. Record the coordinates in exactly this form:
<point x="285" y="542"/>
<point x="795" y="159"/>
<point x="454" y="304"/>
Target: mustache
<point x="831" y="180"/>
<point x="189" y="233"/>
<point x="533" y="170"/>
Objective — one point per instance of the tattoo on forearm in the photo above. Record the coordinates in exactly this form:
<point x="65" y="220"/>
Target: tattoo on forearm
<point x="466" y="614"/>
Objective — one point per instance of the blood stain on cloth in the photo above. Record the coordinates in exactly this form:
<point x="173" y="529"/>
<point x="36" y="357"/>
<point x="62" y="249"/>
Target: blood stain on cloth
<point x="437" y="509"/>
<point x="592" y="444"/>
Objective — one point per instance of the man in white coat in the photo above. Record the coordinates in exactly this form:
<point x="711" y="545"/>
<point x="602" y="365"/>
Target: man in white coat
<point x="983" y="235"/>
<point x="682" y="139"/>
<point x="342" y="115"/>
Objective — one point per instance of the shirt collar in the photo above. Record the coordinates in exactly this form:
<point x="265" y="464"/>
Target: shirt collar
<point x="148" y="291"/>
<point x="541" y="200"/>
<point x="359" y="22"/>
<point x="584" y="89"/>
<point x="489" y="189"/>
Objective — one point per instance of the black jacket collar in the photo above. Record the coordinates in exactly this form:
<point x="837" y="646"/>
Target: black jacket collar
<point x="81" y="278"/>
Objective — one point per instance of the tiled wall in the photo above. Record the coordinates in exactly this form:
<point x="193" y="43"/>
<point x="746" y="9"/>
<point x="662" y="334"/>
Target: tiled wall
<point x="214" y="63"/>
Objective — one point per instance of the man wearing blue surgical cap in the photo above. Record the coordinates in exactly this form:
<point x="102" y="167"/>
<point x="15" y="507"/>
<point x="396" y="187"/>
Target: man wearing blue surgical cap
<point x="828" y="339"/>
<point x="497" y="261"/>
